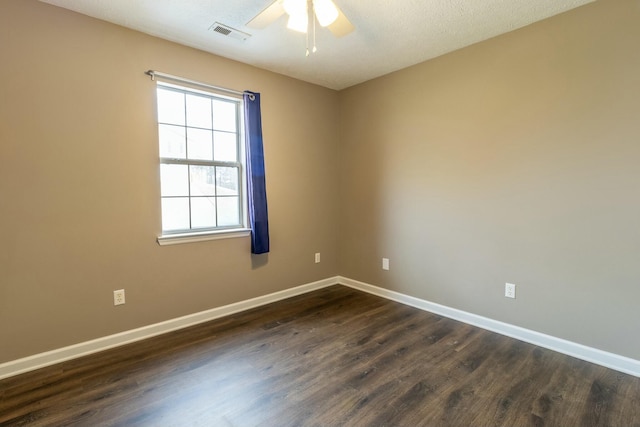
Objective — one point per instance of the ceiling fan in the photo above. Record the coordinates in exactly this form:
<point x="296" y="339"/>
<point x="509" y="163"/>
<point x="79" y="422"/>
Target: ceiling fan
<point x="303" y="15"/>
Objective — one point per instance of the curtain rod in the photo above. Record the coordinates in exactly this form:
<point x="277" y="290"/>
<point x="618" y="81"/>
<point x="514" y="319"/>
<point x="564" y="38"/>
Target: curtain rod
<point x="153" y="74"/>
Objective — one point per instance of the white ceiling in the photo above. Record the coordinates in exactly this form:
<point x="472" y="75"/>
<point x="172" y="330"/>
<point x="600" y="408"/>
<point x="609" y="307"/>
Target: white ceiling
<point x="389" y="35"/>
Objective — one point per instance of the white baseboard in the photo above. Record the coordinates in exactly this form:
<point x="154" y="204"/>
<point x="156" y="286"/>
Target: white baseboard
<point x="579" y="351"/>
<point x="589" y="354"/>
<point x="48" y="358"/>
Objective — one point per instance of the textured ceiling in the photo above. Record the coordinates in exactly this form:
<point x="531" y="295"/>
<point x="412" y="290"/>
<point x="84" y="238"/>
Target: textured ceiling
<point x="389" y="35"/>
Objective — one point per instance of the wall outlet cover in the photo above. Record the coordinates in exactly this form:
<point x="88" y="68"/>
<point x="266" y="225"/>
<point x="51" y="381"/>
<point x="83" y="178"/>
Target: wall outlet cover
<point x="509" y="290"/>
<point x="118" y="297"/>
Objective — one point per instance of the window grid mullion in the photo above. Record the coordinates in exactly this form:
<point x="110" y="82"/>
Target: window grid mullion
<point x="215" y="192"/>
<point x="168" y="160"/>
<point x="186" y="152"/>
<point x="190" y="199"/>
<point x="215" y="168"/>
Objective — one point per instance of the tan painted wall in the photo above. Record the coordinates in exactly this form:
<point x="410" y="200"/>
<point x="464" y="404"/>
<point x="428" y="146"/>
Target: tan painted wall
<point x="511" y="160"/>
<point x="79" y="186"/>
<point x="514" y="160"/>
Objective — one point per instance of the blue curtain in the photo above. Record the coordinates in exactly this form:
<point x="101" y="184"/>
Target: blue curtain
<point x="256" y="188"/>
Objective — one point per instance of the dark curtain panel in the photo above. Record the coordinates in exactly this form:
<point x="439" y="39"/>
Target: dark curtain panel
<point x="256" y="188"/>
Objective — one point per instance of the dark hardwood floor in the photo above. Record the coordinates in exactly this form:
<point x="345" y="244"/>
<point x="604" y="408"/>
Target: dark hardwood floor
<point x="334" y="357"/>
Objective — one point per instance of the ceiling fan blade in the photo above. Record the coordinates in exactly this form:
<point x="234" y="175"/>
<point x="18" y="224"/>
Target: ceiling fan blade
<point x="272" y="12"/>
<point x="341" y="26"/>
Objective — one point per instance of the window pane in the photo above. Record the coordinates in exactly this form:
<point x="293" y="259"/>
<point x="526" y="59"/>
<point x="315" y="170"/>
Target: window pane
<point x="199" y="111"/>
<point x="174" y="180"/>
<point x="200" y="144"/>
<point x="170" y="107"/>
<point x="225" y="147"/>
<point x="224" y="115"/>
<point x="175" y="213"/>
<point x="203" y="212"/>
<point x="228" y="211"/>
<point x="203" y="180"/>
<point x="173" y="142"/>
<point x="200" y="159"/>
<point x="226" y="181"/>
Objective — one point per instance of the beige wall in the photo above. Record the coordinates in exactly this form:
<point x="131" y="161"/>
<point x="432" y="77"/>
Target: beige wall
<point x="79" y="186"/>
<point x="514" y="160"/>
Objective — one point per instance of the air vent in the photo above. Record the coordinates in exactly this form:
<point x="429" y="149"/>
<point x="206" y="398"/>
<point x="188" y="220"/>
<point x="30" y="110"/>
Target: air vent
<point x="227" y="31"/>
<point x="222" y="30"/>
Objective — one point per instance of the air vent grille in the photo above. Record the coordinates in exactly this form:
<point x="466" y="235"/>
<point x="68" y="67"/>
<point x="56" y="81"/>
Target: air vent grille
<point x="222" y="30"/>
<point x="228" y="31"/>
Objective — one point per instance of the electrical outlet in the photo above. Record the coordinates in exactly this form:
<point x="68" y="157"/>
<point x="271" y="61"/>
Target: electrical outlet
<point x="317" y="257"/>
<point x="385" y="263"/>
<point x="118" y="297"/>
<point x="509" y="290"/>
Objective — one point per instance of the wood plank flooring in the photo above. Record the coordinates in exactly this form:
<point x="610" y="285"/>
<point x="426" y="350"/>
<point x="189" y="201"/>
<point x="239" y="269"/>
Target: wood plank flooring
<point x="334" y="357"/>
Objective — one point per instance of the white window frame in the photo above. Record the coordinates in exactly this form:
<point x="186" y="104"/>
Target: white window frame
<point x="169" y="237"/>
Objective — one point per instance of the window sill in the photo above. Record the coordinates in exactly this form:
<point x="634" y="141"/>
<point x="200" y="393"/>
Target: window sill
<point x="175" y="239"/>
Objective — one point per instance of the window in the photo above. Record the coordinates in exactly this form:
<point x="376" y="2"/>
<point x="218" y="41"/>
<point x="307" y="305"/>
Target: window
<point x="201" y="161"/>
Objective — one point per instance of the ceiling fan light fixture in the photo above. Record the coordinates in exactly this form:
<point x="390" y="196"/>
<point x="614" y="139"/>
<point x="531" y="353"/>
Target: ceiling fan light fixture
<point x="295" y="7"/>
<point x="298" y="14"/>
<point x="325" y="11"/>
<point x="298" y="22"/>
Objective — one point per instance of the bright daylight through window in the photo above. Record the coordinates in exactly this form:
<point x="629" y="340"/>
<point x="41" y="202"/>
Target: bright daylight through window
<point x="201" y="160"/>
